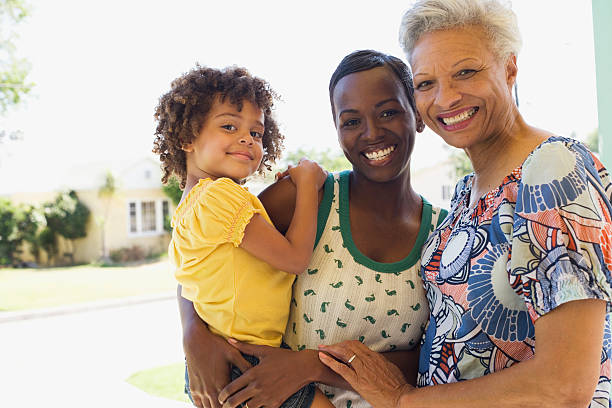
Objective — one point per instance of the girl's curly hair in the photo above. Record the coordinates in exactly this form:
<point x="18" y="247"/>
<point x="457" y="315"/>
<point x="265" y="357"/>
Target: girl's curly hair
<point x="182" y="111"/>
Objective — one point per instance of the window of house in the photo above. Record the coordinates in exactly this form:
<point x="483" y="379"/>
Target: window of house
<point x="132" y="218"/>
<point x="147" y="212"/>
<point x="165" y="209"/>
<point x="146" y="217"/>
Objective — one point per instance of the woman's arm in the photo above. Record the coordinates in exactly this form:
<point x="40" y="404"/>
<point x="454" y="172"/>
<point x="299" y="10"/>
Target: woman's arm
<point x="279" y="201"/>
<point x="290" y="252"/>
<point x="563" y="373"/>
<point x="279" y="374"/>
<point x="407" y="362"/>
<point x="209" y="357"/>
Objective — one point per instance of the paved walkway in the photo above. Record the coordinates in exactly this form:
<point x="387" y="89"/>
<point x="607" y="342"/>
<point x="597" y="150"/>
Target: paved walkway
<point x="81" y="356"/>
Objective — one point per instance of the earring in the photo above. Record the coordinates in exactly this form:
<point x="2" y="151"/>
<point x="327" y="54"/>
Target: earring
<point x="420" y="127"/>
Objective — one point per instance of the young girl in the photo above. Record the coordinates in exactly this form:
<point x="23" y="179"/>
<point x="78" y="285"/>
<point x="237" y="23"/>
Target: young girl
<point x="214" y="130"/>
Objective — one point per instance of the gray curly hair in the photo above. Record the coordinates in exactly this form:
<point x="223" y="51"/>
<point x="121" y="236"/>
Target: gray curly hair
<point x="494" y="16"/>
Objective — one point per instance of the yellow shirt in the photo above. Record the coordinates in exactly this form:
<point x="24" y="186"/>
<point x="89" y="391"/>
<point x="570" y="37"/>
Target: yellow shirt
<point x="235" y="293"/>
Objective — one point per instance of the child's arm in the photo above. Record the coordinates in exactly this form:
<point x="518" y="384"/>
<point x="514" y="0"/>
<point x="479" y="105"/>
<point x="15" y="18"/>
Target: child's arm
<point x="290" y="253"/>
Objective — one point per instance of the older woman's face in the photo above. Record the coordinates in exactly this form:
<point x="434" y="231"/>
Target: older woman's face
<point x="462" y="90"/>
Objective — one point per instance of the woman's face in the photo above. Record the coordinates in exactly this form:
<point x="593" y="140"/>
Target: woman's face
<point x="375" y="123"/>
<point x="462" y="90"/>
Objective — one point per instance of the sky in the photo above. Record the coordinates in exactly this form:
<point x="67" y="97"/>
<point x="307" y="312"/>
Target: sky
<point x="100" y="67"/>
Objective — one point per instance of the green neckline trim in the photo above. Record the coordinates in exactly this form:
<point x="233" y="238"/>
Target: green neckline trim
<point x="345" y="227"/>
<point x="324" y="207"/>
<point x="441" y="217"/>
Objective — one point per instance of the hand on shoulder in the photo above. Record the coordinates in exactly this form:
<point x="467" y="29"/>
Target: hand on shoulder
<point x="279" y="200"/>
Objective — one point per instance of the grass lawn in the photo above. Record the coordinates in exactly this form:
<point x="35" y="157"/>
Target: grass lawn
<point x="45" y="287"/>
<point x="167" y="381"/>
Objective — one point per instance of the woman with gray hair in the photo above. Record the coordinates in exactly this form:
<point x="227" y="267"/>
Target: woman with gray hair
<point x="518" y="274"/>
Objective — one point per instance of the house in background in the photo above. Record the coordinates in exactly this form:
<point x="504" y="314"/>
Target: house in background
<point x="436" y="183"/>
<point x="134" y="215"/>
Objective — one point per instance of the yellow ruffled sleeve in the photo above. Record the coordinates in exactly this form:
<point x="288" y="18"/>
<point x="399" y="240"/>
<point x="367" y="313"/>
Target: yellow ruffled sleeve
<point x="216" y="212"/>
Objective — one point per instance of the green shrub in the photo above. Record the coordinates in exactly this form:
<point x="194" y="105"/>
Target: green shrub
<point x="18" y="223"/>
<point x="47" y="240"/>
<point x="68" y="217"/>
<point x="173" y="190"/>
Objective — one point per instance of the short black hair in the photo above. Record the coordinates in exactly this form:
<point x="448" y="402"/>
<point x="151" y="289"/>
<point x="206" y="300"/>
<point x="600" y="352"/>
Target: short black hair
<point x="364" y="60"/>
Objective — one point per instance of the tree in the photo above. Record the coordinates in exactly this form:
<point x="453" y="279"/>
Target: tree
<point x="592" y="141"/>
<point x="18" y="223"/>
<point x="9" y="233"/>
<point x="33" y="221"/>
<point x="173" y="190"/>
<point x="328" y="159"/>
<point x="68" y="217"/>
<point x="47" y="239"/>
<point x="13" y="70"/>
<point x="461" y="163"/>
<point x="106" y="192"/>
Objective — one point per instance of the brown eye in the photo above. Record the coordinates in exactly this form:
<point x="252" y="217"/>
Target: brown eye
<point x="229" y="127"/>
<point x="389" y="113"/>
<point x="425" y="85"/>
<point x="466" y="73"/>
<point x="350" y="123"/>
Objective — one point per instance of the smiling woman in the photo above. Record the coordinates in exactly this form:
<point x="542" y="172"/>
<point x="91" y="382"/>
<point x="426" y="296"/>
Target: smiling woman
<point x="461" y="81"/>
<point x="518" y="275"/>
<point x="360" y="122"/>
<point x="370" y="223"/>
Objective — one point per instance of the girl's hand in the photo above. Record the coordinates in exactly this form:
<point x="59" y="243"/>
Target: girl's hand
<point x="377" y="380"/>
<point x="209" y="359"/>
<point x="270" y="382"/>
<point x="282" y="174"/>
<point x="307" y="172"/>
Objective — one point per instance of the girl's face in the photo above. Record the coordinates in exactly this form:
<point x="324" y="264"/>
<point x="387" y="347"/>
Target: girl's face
<point x="229" y="143"/>
<point x="375" y="123"/>
<point x="462" y="90"/>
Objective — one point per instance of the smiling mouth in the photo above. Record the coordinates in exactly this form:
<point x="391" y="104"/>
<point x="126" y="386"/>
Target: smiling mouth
<point x="241" y="155"/>
<point x="380" y="154"/>
<point x="457" y="119"/>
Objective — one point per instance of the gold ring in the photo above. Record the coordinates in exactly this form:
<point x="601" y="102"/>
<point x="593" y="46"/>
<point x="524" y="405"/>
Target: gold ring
<point x="350" y="360"/>
<point x="246" y="405"/>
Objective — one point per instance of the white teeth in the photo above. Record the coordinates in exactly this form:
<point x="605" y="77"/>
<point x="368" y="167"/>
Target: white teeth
<point x="460" y="117"/>
<point x="380" y="154"/>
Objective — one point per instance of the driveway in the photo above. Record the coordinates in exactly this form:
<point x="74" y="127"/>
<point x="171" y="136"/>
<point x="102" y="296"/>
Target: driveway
<point x="82" y="359"/>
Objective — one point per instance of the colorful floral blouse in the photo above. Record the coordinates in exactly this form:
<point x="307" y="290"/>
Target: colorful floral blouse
<point x="541" y="239"/>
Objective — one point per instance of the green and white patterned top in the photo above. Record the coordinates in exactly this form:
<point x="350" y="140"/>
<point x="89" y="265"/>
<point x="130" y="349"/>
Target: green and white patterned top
<point x="345" y="295"/>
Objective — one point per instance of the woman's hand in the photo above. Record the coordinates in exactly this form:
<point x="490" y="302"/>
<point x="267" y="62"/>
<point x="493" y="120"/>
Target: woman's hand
<point x="377" y="380"/>
<point x="279" y="374"/>
<point x="209" y="359"/>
